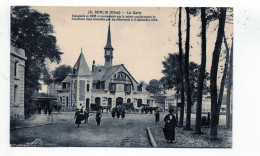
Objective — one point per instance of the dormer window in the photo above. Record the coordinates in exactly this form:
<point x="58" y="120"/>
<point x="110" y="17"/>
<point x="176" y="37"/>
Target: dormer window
<point x="74" y="71"/>
<point x="63" y="85"/>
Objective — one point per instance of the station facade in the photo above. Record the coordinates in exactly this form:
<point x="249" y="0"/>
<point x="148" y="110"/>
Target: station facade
<point x="107" y="86"/>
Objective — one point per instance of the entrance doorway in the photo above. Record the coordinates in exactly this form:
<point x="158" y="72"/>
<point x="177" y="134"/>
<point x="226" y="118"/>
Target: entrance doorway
<point x="119" y="101"/>
<point x="97" y="101"/>
<point x="87" y="103"/>
<point x="139" y="102"/>
<point x="109" y="102"/>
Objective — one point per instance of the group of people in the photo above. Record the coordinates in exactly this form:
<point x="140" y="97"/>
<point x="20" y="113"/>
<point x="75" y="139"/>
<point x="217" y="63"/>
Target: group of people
<point x="47" y="110"/>
<point x="168" y="130"/>
<point x="118" y="111"/>
<point x="81" y="115"/>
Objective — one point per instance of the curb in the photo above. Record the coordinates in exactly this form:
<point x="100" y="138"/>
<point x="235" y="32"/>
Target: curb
<point x="29" y="126"/>
<point x="150" y="137"/>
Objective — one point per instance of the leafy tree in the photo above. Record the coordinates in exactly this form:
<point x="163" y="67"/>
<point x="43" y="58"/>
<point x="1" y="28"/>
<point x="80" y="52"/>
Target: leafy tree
<point x="61" y="72"/>
<point x="172" y="72"/>
<point x="171" y="78"/>
<point x="213" y="75"/>
<point x="57" y="75"/>
<point x="32" y="31"/>
<point x="154" y="87"/>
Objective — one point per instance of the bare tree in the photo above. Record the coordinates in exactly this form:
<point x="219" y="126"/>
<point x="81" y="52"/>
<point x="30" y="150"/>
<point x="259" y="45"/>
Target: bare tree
<point x="213" y="75"/>
<point x="230" y="77"/>
<point x="186" y="69"/>
<point x="202" y="70"/>
<point x="223" y="80"/>
<point x="181" y="72"/>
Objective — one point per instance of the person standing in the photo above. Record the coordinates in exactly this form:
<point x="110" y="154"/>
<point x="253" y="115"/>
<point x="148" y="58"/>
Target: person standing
<point x="98" y="117"/>
<point x="113" y="113"/>
<point x="118" y="113"/>
<point x="123" y="113"/>
<point x="77" y="117"/>
<point x="157" y="116"/>
<point x="50" y="110"/>
<point x="169" y="127"/>
<point x="86" y="115"/>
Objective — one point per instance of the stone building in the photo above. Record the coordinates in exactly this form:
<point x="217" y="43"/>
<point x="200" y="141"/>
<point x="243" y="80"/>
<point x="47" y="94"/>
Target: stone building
<point x="170" y="102"/>
<point x="106" y="86"/>
<point x="52" y="89"/>
<point x="17" y="70"/>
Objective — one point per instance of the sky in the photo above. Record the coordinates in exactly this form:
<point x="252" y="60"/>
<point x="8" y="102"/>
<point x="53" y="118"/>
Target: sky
<point x="140" y="46"/>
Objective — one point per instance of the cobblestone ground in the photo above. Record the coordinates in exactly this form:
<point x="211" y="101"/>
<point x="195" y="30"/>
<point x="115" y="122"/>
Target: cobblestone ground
<point x="128" y="132"/>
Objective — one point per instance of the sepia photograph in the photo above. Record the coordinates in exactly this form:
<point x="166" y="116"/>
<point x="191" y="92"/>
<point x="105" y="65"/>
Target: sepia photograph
<point x="138" y="77"/>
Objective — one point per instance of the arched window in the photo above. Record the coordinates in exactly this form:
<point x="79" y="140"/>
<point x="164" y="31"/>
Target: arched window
<point x="128" y="100"/>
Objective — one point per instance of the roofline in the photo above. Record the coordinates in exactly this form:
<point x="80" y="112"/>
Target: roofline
<point x="129" y="73"/>
<point x="126" y="70"/>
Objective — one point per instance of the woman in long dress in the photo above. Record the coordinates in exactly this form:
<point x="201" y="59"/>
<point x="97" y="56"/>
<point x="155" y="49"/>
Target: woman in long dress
<point x="98" y="117"/>
<point x="169" y="128"/>
<point x="77" y="117"/>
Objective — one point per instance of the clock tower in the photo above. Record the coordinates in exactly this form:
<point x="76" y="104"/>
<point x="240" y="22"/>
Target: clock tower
<point x="108" y="50"/>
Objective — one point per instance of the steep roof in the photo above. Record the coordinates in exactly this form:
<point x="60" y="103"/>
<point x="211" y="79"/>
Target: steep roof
<point x="67" y="79"/>
<point x="81" y="66"/>
<point x="101" y="73"/>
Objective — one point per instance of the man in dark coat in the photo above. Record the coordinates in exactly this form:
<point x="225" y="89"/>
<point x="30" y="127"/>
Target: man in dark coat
<point x="98" y="117"/>
<point x="118" y="113"/>
<point x="77" y="117"/>
<point x="123" y="113"/>
<point x="86" y="115"/>
<point x="113" y="113"/>
<point x="169" y="128"/>
<point x="157" y="116"/>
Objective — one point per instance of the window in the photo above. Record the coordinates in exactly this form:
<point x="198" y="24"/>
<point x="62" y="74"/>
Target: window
<point x="112" y="87"/>
<point x="87" y="87"/>
<point x="98" y="85"/>
<point x="63" y="85"/>
<point x="15" y="93"/>
<point x="15" y="68"/>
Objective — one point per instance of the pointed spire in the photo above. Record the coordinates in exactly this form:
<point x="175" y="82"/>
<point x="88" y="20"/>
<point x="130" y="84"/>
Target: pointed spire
<point x="109" y="46"/>
<point x="81" y="66"/>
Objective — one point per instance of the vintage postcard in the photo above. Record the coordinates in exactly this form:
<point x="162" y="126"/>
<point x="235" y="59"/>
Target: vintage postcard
<point x="138" y="77"/>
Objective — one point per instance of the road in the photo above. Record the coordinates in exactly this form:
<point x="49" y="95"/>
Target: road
<point x="128" y="132"/>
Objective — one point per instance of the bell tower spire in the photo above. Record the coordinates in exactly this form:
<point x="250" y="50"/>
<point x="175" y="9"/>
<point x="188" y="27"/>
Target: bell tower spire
<point x="108" y="49"/>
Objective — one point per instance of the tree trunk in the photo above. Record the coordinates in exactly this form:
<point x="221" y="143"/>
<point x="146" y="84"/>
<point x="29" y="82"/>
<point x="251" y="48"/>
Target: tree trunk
<point x="181" y="73"/>
<point x="213" y="75"/>
<point x="223" y="80"/>
<point x="230" y="82"/>
<point x="202" y="71"/>
<point x="187" y="75"/>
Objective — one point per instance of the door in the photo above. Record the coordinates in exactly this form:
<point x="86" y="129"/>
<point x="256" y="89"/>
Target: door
<point x="87" y="103"/>
<point x="119" y="101"/>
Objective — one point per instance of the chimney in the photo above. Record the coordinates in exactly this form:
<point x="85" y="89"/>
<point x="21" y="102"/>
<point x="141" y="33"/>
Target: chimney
<point x="93" y="66"/>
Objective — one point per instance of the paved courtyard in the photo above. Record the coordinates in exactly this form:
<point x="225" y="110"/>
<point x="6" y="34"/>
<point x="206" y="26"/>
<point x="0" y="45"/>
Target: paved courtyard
<point x="128" y="132"/>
